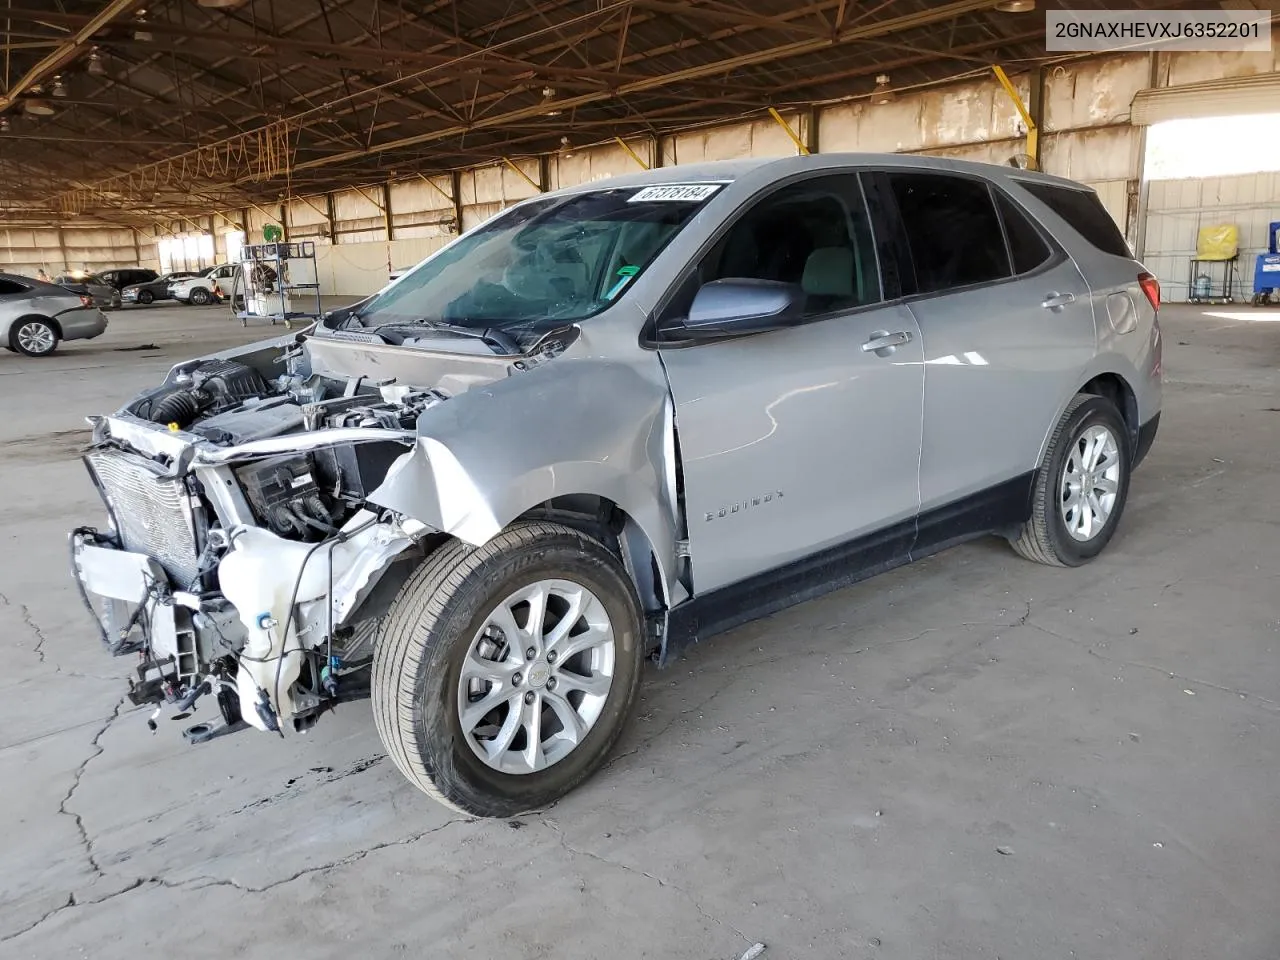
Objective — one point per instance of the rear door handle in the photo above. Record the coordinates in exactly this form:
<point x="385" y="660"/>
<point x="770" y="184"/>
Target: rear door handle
<point x="883" y="341"/>
<point x="1056" y="300"/>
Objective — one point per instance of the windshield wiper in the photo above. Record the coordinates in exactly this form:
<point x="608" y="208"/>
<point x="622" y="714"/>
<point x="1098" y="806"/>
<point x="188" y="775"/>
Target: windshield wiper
<point x="489" y="335"/>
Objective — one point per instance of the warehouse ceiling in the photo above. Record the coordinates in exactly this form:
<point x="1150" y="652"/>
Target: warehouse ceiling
<point x="129" y="110"/>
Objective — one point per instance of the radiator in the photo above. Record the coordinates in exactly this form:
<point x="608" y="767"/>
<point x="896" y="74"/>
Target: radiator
<point x="153" y="513"/>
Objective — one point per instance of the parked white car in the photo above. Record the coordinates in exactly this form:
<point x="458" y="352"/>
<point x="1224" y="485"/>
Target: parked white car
<point x="201" y="289"/>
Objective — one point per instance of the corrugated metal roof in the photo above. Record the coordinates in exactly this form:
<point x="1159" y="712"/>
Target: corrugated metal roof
<point x="183" y="107"/>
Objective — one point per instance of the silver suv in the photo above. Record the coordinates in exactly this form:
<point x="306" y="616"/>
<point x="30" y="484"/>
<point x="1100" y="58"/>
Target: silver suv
<point x="607" y="422"/>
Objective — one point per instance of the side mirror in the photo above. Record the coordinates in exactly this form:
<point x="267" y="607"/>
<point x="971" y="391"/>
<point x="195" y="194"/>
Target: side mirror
<point x="739" y="305"/>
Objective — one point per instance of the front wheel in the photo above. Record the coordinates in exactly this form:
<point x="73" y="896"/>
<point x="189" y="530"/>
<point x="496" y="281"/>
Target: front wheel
<point x="505" y="673"/>
<point x="145" y="296"/>
<point x="34" y="337"/>
<point x="200" y="296"/>
<point x="1081" y="487"/>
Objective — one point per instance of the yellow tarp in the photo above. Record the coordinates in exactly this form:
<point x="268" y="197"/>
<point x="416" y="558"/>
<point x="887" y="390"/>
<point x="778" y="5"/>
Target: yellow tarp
<point x="1221" y="242"/>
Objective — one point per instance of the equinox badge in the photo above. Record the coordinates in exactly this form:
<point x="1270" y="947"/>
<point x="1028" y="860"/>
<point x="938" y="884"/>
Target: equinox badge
<point x="732" y="508"/>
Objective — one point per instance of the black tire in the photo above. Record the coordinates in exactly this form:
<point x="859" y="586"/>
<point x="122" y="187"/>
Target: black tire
<point x="49" y="330"/>
<point x="145" y="296"/>
<point x="428" y="632"/>
<point x="1045" y="537"/>
<point x="200" y="296"/>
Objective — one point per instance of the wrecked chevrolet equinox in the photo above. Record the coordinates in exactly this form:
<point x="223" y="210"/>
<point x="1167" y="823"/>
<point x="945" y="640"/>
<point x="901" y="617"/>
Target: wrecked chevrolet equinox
<point x="607" y="422"/>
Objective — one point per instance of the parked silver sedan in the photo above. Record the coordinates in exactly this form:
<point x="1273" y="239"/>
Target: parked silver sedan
<point x="35" y="317"/>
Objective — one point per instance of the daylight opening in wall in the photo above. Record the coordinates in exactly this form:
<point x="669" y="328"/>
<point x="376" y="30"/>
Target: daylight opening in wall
<point x="235" y="245"/>
<point x="189" y="252"/>
<point x="1213" y="147"/>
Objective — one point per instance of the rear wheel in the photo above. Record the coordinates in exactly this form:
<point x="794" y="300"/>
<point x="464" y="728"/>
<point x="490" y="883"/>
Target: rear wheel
<point x="200" y="296"/>
<point x="145" y="296"/>
<point x="1081" y="487"/>
<point x="505" y="673"/>
<point x="34" y="337"/>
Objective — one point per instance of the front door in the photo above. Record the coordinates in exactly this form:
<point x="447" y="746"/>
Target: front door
<point x="799" y="439"/>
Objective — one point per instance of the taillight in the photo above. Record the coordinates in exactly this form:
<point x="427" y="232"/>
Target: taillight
<point x="86" y="300"/>
<point x="1151" y="287"/>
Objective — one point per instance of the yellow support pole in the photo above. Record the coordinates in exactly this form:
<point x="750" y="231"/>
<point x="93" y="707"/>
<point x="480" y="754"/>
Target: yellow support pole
<point x="271" y="217"/>
<point x="323" y="213"/>
<point x="1033" y="134"/>
<point x="226" y="218"/>
<point x="804" y="151"/>
<point x="631" y="153"/>
<point x="374" y="200"/>
<point x="527" y="179"/>
<point x="432" y="184"/>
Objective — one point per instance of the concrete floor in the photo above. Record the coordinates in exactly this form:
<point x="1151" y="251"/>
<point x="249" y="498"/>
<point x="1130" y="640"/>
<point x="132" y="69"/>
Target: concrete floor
<point x="972" y="758"/>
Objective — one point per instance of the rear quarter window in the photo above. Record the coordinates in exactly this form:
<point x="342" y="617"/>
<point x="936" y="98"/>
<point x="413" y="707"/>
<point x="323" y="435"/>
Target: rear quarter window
<point x="1084" y="213"/>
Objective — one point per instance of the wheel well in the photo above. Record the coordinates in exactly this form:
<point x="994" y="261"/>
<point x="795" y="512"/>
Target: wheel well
<point x="603" y="520"/>
<point x="1117" y="390"/>
<point x="13" y="327"/>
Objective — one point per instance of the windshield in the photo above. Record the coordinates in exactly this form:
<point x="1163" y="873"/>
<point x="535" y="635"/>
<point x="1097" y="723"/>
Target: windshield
<point x="543" y="264"/>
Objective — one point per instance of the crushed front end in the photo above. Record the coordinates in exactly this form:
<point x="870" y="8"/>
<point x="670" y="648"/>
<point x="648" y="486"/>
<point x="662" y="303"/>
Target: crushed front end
<point x="241" y="558"/>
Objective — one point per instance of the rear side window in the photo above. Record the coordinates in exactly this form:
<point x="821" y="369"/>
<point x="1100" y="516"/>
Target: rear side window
<point x="11" y="286"/>
<point x="952" y="228"/>
<point x="1084" y="212"/>
<point x="1028" y="248"/>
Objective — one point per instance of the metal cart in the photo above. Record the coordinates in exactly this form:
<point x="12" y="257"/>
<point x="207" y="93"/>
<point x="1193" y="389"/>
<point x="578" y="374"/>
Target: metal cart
<point x="1266" y="271"/>
<point x="277" y="282"/>
<point x="1204" y="287"/>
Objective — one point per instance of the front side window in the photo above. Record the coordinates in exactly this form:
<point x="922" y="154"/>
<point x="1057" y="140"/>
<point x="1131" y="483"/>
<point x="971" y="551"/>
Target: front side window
<point x="952" y="229"/>
<point x="814" y="234"/>
<point x="543" y="264"/>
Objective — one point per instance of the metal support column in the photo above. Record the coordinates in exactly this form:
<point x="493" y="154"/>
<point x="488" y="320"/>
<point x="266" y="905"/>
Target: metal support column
<point x="455" y="187"/>
<point x="388" y="224"/>
<point x="331" y="218"/>
<point x="1033" y="132"/>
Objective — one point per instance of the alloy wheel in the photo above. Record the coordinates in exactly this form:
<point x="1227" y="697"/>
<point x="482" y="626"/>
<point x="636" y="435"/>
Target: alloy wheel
<point x="1090" y="483"/>
<point x="36" y="337"/>
<point x="536" y="676"/>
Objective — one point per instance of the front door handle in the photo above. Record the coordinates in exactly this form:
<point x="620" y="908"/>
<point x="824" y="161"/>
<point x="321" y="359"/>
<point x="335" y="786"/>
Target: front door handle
<point x="1055" y="301"/>
<point x="885" y="341"/>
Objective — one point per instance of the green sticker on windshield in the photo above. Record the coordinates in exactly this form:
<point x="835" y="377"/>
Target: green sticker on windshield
<point x="624" y="277"/>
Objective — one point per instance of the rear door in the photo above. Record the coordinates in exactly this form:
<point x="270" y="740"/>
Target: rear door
<point x="1005" y="316"/>
<point x="804" y="438"/>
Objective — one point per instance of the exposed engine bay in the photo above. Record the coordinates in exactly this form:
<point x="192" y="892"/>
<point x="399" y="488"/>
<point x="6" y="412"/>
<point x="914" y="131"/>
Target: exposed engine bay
<point x="243" y="558"/>
<point x="304" y="496"/>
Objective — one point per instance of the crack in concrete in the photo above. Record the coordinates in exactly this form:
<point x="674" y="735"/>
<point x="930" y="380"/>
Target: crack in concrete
<point x="360" y="766"/>
<point x="35" y="628"/>
<point x="205" y="882"/>
<point x="73" y="901"/>
<point x="660" y="881"/>
<point x="96" y="744"/>
<point x="1272" y="706"/>
<point x="701" y="705"/>
<point x="804" y="654"/>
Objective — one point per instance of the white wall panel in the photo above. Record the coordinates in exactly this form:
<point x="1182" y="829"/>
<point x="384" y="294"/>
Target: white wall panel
<point x="354" y="205"/>
<point x="1177" y="209"/>
<point x="1093" y="92"/>
<point x="357" y="270"/>
<point x="1109" y="153"/>
<point x="758" y="138"/>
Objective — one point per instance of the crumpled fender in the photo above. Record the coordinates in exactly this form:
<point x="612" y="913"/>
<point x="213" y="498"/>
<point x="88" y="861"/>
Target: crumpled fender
<point x="572" y="426"/>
